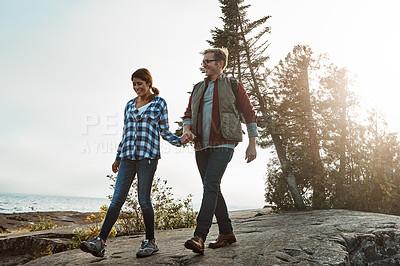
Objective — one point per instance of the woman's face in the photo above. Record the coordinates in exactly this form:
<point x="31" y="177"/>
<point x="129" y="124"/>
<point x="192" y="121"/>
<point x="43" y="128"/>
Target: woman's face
<point x="141" y="87"/>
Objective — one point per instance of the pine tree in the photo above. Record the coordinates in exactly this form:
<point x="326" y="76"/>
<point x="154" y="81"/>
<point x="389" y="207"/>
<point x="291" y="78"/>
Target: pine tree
<point x="294" y="108"/>
<point x="335" y="105"/>
<point x="381" y="167"/>
<point x="246" y="42"/>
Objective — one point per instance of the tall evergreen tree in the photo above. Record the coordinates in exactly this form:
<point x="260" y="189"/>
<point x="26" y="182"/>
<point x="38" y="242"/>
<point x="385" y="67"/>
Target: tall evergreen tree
<point x="302" y="56"/>
<point x="381" y="167"/>
<point x="309" y="115"/>
<point x="246" y="42"/>
<point x="335" y="107"/>
<point x="294" y="109"/>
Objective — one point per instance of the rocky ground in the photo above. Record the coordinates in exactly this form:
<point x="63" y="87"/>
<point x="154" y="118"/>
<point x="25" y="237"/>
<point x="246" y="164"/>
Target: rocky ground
<point x="326" y="237"/>
<point x="19" y="222"/>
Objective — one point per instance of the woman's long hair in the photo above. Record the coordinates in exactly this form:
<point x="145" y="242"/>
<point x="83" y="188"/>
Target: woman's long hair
<point x="144" y="74"/>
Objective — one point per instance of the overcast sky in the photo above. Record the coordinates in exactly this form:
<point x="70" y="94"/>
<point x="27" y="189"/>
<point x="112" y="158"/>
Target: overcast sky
<point x="65" y="79"/>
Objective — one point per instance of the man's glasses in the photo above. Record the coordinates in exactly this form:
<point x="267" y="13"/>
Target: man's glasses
<point x="206" y="61"/>
<point x="137" y="116"/>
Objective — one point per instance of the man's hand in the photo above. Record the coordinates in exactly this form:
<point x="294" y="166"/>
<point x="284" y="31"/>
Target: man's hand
<point x="184" y="139"/>
<point x="188" y="133"/>
<point x="251" y="152"/>
<point x="115" y="167"/>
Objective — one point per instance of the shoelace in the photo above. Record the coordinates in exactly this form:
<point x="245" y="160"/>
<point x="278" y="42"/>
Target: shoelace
<point x="99" y="241"/>
<point x="145" y="243"/>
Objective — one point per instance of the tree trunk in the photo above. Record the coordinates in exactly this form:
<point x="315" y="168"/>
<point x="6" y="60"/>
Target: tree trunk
<point x="285" y="164"/>
<point x="287" y="172"/>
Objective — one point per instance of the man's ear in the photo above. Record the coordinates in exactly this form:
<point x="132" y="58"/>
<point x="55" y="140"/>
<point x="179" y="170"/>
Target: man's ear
<point x="221" y="64"/>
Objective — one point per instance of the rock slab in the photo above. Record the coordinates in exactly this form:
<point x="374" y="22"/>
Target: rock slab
<point x="323" y="237"/>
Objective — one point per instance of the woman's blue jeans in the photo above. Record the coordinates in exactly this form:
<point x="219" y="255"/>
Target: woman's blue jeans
<point x="128" y="169"/>
<point x="212" y="164"/>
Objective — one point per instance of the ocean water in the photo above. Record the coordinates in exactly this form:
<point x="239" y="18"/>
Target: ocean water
<point x="10" y="203"/>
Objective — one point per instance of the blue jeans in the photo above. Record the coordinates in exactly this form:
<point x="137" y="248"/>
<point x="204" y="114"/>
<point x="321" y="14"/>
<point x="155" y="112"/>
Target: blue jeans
<point x="212" y="164"/>
<point x="145" y="170"/>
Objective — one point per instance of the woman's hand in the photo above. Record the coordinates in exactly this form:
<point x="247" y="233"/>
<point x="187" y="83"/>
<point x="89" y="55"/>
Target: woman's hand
<point x="184" y="139"/>
<point x="115" y="166"/>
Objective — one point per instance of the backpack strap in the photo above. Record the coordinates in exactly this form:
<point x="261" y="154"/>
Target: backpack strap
<point x="235" y="90"/>
<point x="196" y="85"/>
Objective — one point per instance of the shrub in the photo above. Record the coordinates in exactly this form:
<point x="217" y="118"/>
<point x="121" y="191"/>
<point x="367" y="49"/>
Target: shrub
<point x="47" y="251"/>
<point x="83" y="234"/>
<point x="169" y="213"/>
<point x="44" y="223"/>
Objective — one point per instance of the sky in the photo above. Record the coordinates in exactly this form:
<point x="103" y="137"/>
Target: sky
<point x="65" y="79"/>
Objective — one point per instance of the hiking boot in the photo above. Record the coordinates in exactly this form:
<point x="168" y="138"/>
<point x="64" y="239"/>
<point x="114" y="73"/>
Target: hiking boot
<point x="148" y="247"/>
<point x="94" y="246"/>
<point x="196" y="244"/>
<point x="223" y="240"/>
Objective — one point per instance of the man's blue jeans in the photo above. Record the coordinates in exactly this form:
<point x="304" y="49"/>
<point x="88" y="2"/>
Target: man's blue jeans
<point x="212" y="164"/>
<point x="145" y="170"/>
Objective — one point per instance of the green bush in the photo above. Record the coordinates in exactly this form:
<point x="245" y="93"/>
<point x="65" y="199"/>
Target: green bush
<point x="45" y="223"/>
<point x="169" y="213"/>
<point x="47" y="251"/>
<point x="83" y="234"/>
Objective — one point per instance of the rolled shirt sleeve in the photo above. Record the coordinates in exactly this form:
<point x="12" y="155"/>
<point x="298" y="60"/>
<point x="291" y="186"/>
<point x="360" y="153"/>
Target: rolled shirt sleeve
<point x="252" y="129"/>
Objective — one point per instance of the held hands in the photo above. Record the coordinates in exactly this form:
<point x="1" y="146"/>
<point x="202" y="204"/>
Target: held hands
<point x="187" y="136"/>
<point x="184" y="139"/>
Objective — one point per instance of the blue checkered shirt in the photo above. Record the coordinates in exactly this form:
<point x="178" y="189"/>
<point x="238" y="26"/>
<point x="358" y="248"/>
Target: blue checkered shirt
<point x="141" y="137"/>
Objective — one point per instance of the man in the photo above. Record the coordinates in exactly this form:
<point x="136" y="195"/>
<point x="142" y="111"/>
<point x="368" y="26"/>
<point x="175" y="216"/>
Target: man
<point x="212" y="121"/>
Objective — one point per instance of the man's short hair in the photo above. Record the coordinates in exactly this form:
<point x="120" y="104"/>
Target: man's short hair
<point x="220" y="54"/>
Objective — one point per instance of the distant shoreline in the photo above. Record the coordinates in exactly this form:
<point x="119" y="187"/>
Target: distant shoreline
<point x="23" y="203"/>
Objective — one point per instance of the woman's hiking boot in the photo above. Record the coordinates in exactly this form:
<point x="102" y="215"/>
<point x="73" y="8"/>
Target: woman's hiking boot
<point x="148" y="247"/>
<point x="94" y="246"/>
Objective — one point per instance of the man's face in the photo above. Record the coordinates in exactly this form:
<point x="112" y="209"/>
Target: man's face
<point x="212" y="67"/>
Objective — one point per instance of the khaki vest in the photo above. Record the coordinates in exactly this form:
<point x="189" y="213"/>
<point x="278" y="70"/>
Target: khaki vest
<point x="230" y="124"/>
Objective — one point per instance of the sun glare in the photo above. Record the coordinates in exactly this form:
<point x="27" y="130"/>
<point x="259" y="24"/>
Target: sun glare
<point x="371" y="52"/>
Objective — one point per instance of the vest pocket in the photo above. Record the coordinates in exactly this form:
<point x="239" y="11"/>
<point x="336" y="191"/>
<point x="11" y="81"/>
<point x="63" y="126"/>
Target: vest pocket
<point x="231" y="127"/>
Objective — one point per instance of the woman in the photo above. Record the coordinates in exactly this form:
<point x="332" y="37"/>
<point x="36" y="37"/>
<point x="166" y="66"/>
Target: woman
<point x="145" y="119"/>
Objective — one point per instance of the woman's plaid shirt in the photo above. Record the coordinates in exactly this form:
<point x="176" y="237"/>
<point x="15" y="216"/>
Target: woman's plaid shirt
<point x="141" y="137"/>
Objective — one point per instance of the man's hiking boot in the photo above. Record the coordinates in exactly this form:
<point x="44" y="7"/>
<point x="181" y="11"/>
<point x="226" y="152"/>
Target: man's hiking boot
<point x="148" y="247"/>
<point x="196" y="244"/>
<point x="94" y="246"/>
<point x="223" y="240"/>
